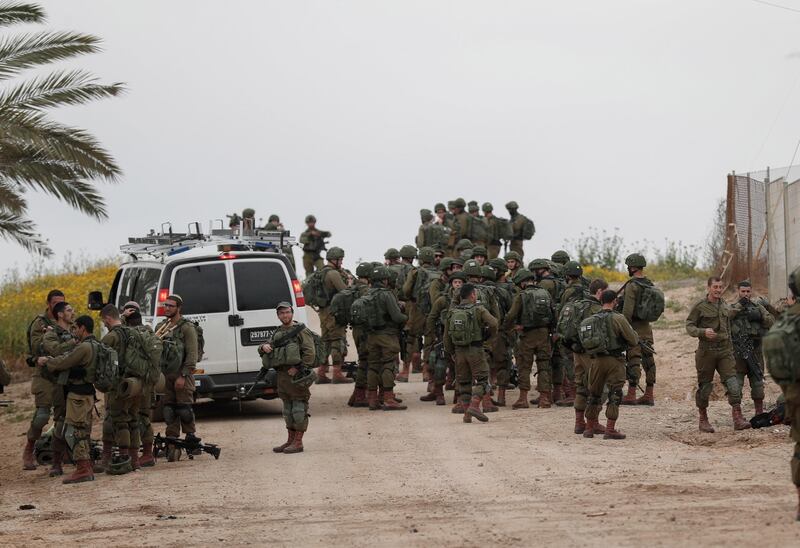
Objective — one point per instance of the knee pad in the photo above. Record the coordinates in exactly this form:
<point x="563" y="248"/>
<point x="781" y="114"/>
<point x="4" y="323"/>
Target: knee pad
<point x="169" y="413"/>
<point x="69" y="436"/>
<point x="287" y="411"/>
<point x="615" y="396"/>
<point x="41" y="417"/>
<point x="704" y="390"/>
<point x="184" y="411"/>
<point x="732" y="386"/>
<point x="299" y="411"/>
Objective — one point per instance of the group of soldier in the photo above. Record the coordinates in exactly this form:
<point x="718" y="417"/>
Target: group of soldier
<point x="67" y="364"/>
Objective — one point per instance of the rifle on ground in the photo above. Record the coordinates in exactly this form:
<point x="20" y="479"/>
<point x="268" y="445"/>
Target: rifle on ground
<point x="744" y="348"/>
<point x="774" y="416"/>
<point x="192" y="445"/>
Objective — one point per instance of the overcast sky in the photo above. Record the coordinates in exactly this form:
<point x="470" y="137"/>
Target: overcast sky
<point x="609" y="114"/>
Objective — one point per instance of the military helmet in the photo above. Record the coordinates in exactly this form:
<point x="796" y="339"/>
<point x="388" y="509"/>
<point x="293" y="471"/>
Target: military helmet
<point x="486" y="207"/>
<point x="451" y="204"/>
<point x="305" y="378"/>
<point x="426" y="215"/>
<point x="459" y="202"/>
<point x="120" y="465"/>
<point x="474" y="208"/>
<point x="794" y="282"/>
<point x="489" y="272"/>
<point x="311" y="219"/>
<point x="512" y="205"/>
<point x="560" y="257"/>
<point x="408" y="252"/>
<point x="445" y="263"/>
<point x="573" y="268"/>
<point x="636" y="260"/>
<point x="536" y="264"/>
<point x="522" y="275"/>
<point x="472" y="203"/>
<point x="249" y="213"/>
<point x="439" y="207"/>
<point x="273" y="219"/>
<point x="479" y="250"/>
<point x="513" y="255"/>
<point x="426" y="255"/>
<point x="463" y="244"/>
<point x="335" y="253"/>
<point x="458" y="260"/>
<point x="379" y="273"/>
<point x="458" y="276"/>
<point x="363" y="270"/>
<point x="391" y="253"/>
<point x="498" y="264"/>
<point x="472" y="268"/>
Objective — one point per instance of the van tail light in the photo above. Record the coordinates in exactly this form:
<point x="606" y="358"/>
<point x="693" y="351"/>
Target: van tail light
<point x="297" y="287"/>
<point x="163" y="293"/>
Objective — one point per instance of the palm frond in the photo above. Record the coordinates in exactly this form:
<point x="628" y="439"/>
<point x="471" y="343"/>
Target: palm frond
<point x="57" y="89"/>
<point x="11" y="198"/>
<point x="15" y="228"/>
<point x="20" y="12"/>
<point x="28" y="50"/>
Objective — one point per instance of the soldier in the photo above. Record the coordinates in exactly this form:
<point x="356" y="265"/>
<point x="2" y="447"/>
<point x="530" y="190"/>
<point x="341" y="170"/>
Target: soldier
<point x="460" y="229"/>
<point x="750" y="321"/>
<point x="274" y="224"/>
<point x="292" y="354"/>
<point x="334" y="336"/>
<point x="477" y="229"/>
<point x="501" y="353"/>
<point x="479" y="254"/>
<point x="383" y="330"/>
<point x="464" y="249"/>
<point x="313" y="242"/>
<point x="179" y="387"/>
<point x="638" y="357"/>
<point x="521" y="228"/>
<point x="464" y="338"/>
<point x="608" y="367"/>
<point x="416" y="290"/>
<point x="391" y="256"/>
<point x="514" y="263"/>
<point x="496" y="228"/>
<point x="532" y="315"/>
<point x="359" y="396"/>
<point x="782" y="352"/>
<point x="435" y="323"/>
<point x="80" y="395"/>
<point x="43" y="386"/>
<point x="574" y="291"/>
<point x="555" y="287"/>
<point x="709" y="321"/>
<point x="431" y="234"/>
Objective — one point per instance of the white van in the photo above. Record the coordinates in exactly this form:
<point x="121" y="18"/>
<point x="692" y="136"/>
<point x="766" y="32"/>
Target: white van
<point x="229" y="283"/>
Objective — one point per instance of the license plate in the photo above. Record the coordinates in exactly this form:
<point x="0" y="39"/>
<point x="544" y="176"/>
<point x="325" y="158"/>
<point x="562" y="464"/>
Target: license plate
<point x="254" y="336"/>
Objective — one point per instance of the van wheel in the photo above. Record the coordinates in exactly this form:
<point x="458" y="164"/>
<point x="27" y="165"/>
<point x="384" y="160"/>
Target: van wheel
<point x="157" y="413"/>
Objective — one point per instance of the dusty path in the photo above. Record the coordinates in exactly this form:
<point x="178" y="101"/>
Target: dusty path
<point x="423" y="478"/>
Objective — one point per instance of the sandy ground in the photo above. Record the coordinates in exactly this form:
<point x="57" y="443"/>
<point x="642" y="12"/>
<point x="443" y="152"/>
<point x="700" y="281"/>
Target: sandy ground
<point x="422" y="477"/>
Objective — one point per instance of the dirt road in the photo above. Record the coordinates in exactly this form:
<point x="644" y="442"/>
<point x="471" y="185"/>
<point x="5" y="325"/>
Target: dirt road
<point x="423" y="478"/>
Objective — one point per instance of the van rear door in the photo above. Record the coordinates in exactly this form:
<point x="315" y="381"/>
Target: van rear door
<point x="207" y="299"/>
<point x="259" y="285"/>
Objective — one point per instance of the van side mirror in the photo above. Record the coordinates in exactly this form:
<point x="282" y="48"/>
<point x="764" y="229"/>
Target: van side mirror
<point x="95" y="300"/>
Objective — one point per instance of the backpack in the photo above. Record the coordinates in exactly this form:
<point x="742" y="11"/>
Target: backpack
<point x="366" y="312"/>
<point x="781" y="347"/>
<point x="320" y="349"/>
<point x="463" y="327"/>
<point x="528" y="229"/>
<point x="487" y="296"/>
<point x="134" y="360"/>
<point x="569" y="322"/>
<point x="434" y="234"/>
<point x="597" y="335"/>
<point x="172" y="348"/>
<point x="559" y="287"/>
<point x="537" y="308"/>
<point x="154" y="348"/>
<point x="421" y="291"/>
<point x="342" y="303"/>
<point x="104" y="372"/>
<point x="649" y="303"/>
<point x="501" y="230"/>
<point x="477" y="230"/>
<point x="314" y="288"/>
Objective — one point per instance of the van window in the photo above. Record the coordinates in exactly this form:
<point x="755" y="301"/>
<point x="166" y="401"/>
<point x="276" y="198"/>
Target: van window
<point x="145" y="290"/>
<point x="203" y="288"/>
<point x="126" y="285"/>
<point x="260" y="285"/>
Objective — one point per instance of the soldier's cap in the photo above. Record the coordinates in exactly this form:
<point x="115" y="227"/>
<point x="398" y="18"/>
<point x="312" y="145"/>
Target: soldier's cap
<point x="284" y="304"/>
<point x="175" y="297"/>
<point x="311" y="219"/>
<point x="486" y="207"/>
<point x="437" y="249"/>
<point x="451" y="204"/>
<point x="131" y="304"/>
<point x="439" y="207"/>
<point x="744" y="283"/>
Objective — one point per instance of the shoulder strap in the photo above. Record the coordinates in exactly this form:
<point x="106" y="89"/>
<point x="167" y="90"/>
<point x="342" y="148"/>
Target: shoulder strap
<point x="291" y="334"/>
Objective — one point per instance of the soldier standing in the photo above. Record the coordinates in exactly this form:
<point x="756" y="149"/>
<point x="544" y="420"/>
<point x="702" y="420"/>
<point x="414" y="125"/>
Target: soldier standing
<point x="274" y="224"/>
<point x="313" y="242"/>
<point x="460" y="224"/>
<point x="359" y="395"/>
<point x="521" y="228"/>
<point x="334" y="336"/>
<point x="709" y="321"/>
<point x="750" y="321"/>
<point x="43" y="385"/>
<point x="555" y="287"/>
<point x="496" y="228"/>
<point x="292" y="353"/>
<point x="179" y="387"/>
<point x="435" y="322"/>
<point x="416" y="291"/>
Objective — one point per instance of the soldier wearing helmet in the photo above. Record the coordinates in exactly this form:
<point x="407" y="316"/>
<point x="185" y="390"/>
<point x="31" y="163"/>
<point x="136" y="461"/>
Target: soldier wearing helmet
<point x="431" y="234"/>
<point x="417" y="292"/>
<point x="335" y="279"/>
<point x="460" y="229"/>
<point x="313" y="242"/>
<point x="359" y="396"/>
<point x="521" y="228"/>
<point x="495" y="229"/>
<point x="564" y="376"/>
<point x="514" y="263"/>
<point x="637" y="357"/>
<point x="479" y="254"/>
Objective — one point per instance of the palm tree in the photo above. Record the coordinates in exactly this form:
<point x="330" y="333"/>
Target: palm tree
<point x="37" y="153"/>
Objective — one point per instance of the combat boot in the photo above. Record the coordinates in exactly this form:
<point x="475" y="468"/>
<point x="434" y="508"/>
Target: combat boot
<point x="390" y="403"/>
<point x="522" y="401"/>
<point x="58" y="457"/>
<point x="501" y="396"/>
<point x="647" y="398"/>
<point x="474" y="409"/>
<point x="739" y="423"/>
<point x="488" y="405"/>
<point x="459" y="406"/>
<point x="430" y="396"/>
<point x="28" y="462"/>
<point x="630" y="397"/>
<point x="83" y="472"/>
<point x="297" y="444"/>
<point x="705" y="426"/>
<point x="372" y="400"/>
<point x="339" y="377"/>
<point x="105" y="460"/>
<point x="439" y="391"/>
<point x="352" y="400"/>
<point x="426" y="372"/>
<point x="416" y="362"/>
<point x="544" y="400"/>
<point x="361" y="398"/>
<point x="759" y="405"/>
<point x="611" y="433"/>
<point x="147" y="459"/>
<point x="322" y="375"/>
<point x="569" y="394"/>
<point x="580" y="422"/>
<point x="382" y="395"/>
<point x="402" y="376"/>
<point x="558" y="393"/>
<point x="588" y="431"/>
<point x="282" y="447"/>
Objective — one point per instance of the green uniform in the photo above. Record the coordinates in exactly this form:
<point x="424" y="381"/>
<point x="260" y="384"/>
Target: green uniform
<point x="472" y="369"/>
<point x="287" y="250"/>
<point x="58" y="341"/>
<point x="121" y="422"/>
<point x="560" y="363"/>
<point x="583" y="361"/>
<point x="313" y="246"/>
<point x="43" y="383"/>
<point x="494" y="245"/>
<point x="435" y="324"/>
<point x="713" y="355"/>
<point x="608" y="369"/>
<point x="178" y="413"/>
<point x="792" y="394"/>
<point x="416" y="316"/>
<point x="517" y="222"/>
<point x="460" y="231"/>
<point x="383" y="343"/>
<point x="532" y="342"/>
<point x="637" y="357"/>
<point x="80" y="395"/>
<point x="750" y="320"/>
<point x="333" y="335"/>
<point x="360" y="339"/>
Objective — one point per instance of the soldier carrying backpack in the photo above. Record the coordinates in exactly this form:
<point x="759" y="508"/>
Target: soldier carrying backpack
<point x="522" y="228"/>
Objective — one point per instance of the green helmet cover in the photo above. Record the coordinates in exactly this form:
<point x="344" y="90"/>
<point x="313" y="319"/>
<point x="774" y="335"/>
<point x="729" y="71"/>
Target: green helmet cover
<point x="560" y="257"/>
<point x="426" y="255"/>
<point x="363" y="270"/>
<point x="636" y="260"/>
<point x="335" y="253"/>
<point x="573" y="268"/>
<point x="522" y="275"/>
<point x="472" y="268"/>
<point x="391" y="253"/>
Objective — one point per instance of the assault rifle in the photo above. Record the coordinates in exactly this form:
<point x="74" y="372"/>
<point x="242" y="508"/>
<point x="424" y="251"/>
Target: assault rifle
<point x="192" y="445"/>
<point x="647" y="347"/>
<point x="774" y="416"/>
<point x="403" y="339"/>
<point x="262" y="374"/>
<point x="744" y="348"/>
